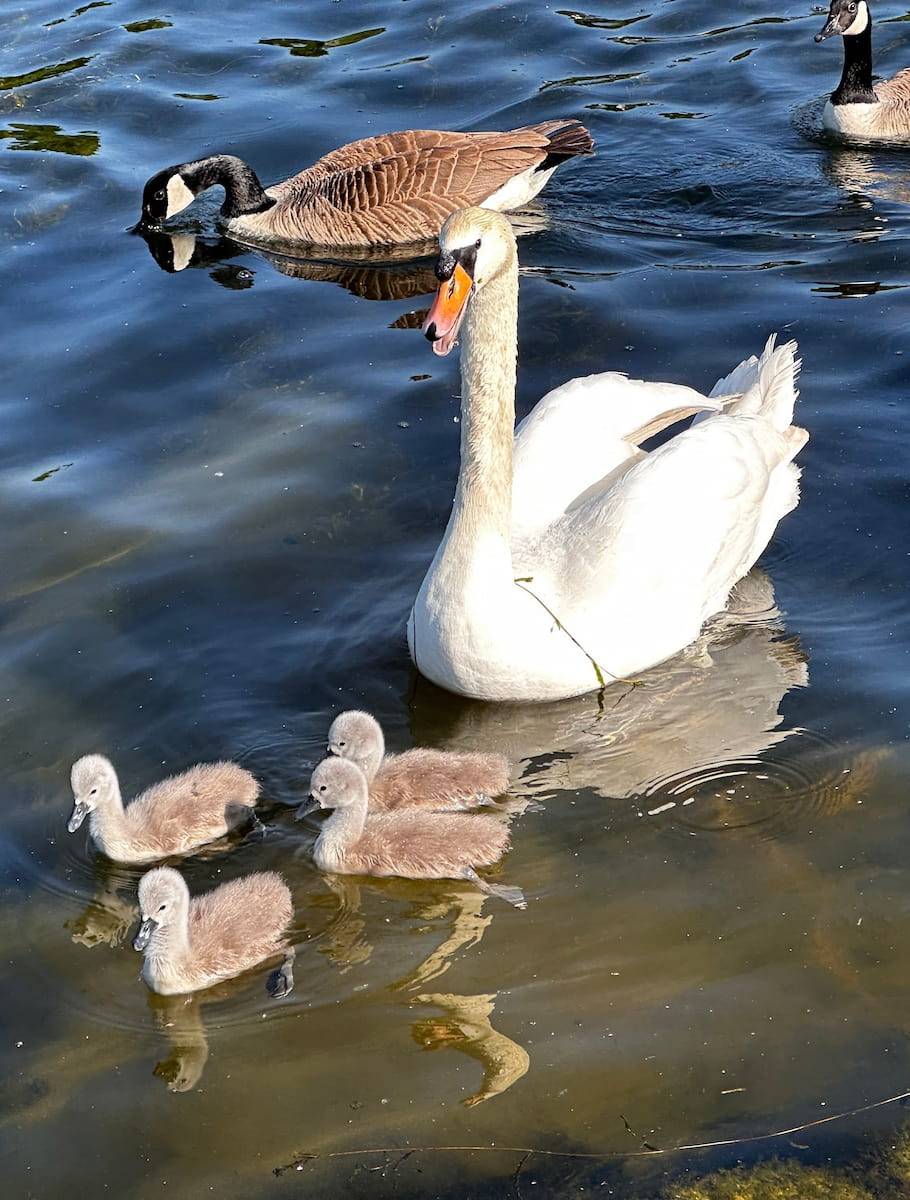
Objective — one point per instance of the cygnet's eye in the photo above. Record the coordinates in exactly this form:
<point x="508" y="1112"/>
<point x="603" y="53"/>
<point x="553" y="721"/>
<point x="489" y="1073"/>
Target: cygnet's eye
<point x="342" y="743"/>
<point x="93" y="792"/>
<point x="322" y="787"/>
<point x="162" y="907"/>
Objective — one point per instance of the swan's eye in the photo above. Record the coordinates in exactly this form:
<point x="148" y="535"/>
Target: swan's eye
<point x="477" y="244"/>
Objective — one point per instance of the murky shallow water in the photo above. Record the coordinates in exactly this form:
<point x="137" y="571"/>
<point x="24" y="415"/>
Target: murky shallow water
<point x="221" y="487"/>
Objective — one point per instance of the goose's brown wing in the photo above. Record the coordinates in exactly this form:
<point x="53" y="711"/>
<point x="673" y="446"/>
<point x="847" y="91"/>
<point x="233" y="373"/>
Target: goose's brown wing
<point x="401" y="186"/>
<point x="895" y="90"/>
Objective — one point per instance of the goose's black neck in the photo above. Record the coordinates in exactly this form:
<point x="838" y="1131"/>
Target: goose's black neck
<point x="243" y="193"/>
<point x="855" y="85"/>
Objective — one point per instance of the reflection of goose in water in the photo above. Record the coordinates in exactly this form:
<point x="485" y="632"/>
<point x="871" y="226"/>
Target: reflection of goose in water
<point x="721" y="700"/>
<point x="387" y="273"/>
<point x="385" y="277"/>
<point x="867" y="177"/>
<point x="465" y="1026"/>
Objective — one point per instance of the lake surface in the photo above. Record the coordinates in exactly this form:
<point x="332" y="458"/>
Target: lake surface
<point x="221" y="486"/>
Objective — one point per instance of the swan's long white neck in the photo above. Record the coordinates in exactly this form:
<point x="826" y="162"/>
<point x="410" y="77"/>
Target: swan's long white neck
<point x="483" y="496"/>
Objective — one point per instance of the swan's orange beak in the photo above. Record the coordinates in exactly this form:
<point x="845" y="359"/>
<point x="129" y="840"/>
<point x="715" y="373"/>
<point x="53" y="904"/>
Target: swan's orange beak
<point x="445" y="316"/>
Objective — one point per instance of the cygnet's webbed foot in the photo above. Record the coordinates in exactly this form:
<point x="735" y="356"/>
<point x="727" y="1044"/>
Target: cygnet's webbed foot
<point x="512" y="895"/>
<point x="256" y="831"/>
<point x="281" y="981"/>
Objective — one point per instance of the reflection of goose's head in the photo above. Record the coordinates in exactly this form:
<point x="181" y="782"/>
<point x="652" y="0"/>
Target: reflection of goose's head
<point x="95" y="785"/>
<point x="358" y="736"/>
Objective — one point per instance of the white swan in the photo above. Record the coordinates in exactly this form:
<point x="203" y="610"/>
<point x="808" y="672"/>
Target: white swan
<point x="572" y="557"/>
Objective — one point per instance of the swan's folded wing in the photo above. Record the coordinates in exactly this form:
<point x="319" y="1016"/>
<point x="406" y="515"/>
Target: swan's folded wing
<point x="670" y="539"/>
<point x="582" y="435"/>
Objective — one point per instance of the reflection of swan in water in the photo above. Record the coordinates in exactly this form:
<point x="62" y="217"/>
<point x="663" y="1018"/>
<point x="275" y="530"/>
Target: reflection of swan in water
<point x="465" y="1026"/>
<point x="718" y="701"/>
<point x="106" y="920"/>
<point x="344" y="943"/>
<point x="179" y="1018"/>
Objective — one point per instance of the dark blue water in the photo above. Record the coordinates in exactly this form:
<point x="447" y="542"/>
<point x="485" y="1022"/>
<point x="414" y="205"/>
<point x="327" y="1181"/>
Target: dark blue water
<point x="221" y="487"/>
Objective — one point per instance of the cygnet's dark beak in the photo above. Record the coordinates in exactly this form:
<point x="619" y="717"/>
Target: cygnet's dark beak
<point x="144" y="935"/>
<point x="80" y="812"/>
<point x="306" y="807"/>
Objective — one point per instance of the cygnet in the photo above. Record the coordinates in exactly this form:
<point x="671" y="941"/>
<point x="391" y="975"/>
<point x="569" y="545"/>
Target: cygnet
<point x="410" y="844"/>
<point x="171" y="817"/>
<point x="417" y="778"/>
<point x="192" y="944"/>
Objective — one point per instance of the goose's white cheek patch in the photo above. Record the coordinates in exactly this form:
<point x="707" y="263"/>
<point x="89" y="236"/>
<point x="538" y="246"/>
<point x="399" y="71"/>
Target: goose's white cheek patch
<point x="859" y="22"/>
<point x="178" y="195"/>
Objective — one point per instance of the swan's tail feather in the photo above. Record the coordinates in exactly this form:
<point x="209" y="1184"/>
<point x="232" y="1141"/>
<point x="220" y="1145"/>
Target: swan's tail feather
<point x="768" y="385"/>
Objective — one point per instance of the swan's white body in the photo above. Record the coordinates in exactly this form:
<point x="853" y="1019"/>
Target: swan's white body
<point x="572" y="557"/>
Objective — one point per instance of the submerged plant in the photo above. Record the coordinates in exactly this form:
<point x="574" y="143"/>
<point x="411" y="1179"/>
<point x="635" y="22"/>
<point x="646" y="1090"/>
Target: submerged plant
<point x="774" y="1180"/>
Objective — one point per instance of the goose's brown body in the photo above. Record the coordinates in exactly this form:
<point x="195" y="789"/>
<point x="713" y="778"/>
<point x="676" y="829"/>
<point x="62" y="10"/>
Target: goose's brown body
<point x="171" y="817"/>
<point x="193" y="943"/>
<point x="420" y="778"/>
<point x="379" y="191"/>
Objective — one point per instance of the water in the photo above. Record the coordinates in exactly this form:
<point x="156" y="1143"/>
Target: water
<point x="221" y="487"/>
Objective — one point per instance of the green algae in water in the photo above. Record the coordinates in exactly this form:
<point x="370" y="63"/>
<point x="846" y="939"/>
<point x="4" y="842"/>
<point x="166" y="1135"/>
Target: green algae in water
<point x="144" y="26"/>
<point x="774" y="1180"/>
<point x="51" y="137"/>
<point x="42" y="73"/>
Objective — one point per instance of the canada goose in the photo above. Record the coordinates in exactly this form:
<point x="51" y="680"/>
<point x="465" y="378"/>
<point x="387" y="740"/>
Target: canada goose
<point x="394" y="188"/>
<point x="572" y="557"/>
<point x="191" y="944"/>
<point x="856" y="107"/>
<point x="171" y="817"/>
<point x="417" y="778"/>
<point x="411" y="844"/>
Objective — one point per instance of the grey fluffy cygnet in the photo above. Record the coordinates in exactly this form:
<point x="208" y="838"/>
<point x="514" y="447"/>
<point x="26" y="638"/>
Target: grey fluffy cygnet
<point x="410" y="844"/>
<point x="171" y="817"/>
<point x="193" y="943"/>
<point x="417" y="778"/>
